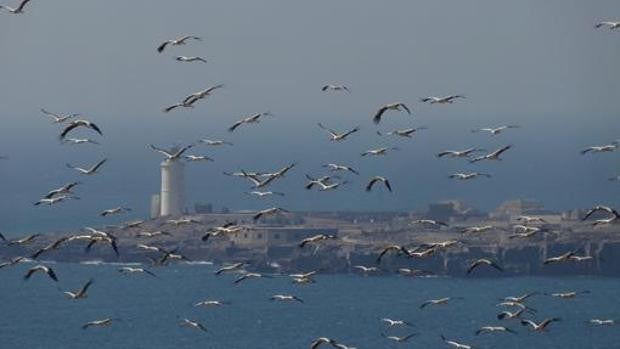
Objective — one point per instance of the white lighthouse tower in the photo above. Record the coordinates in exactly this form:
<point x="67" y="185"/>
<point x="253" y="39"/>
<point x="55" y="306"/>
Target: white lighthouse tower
<point x="172" y="197"/>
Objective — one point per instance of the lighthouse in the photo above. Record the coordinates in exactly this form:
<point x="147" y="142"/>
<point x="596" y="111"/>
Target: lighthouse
<point x="172" y="196"/>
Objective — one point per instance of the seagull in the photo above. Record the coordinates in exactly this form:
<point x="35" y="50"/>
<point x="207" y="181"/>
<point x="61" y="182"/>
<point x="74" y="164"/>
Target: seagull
<point x="176" y="42"/>
<point x="24" y="240"/>
<point x="441" y="100"/>
<point x="79" y="123"/>
<point x="286" y="298"/>
<point x="407" y="132"/>
<point x="455" y="344"/>
<point x="378" y="151"/>
<point x="493" y="329"/>
<point x="611" y="25"/>
<point x="193" y="324"/>
<point x="376" y="179"/>
<point x="392" y="323"/>
<point x="516" y="304"/>
<point x="247" y="276"/>
<point x="195" y="158"/>
<point x="65" y="189"/>
<point x="600" y="322"/>
<point x="268" y="212"/>
<point x="559" y="259"/>
<point x="59" y="118"/>
<point x="41" y="268"/>
<point x="214" y="143"/>
<point x="491" y="156"/>
<point x="12" y="262"/>
<point x="18" y="10"/>
<point x="173" y="154"/>
<point x="581" y="258"/>
<point x="262" y="194"/>
<point x="130" y="270"/>
<point x="520" y="299"/>
<point x="190" y="59"/>
<point x="194" y="97"/>
<point x="335" y="87"/>
<point x="540" y="327"/>
<point x="88" y="171"/>
<point x="316" y="239"/>
<point x="337" y="137"/>
<point x="322" y="340"/>
<point x="97" y="323"/>
<point x="146" y="234"/>
<point x="54" y="200"/>
<point x="189" y="104"/>
<point x="392" y="106"/>
<point x="113" y="211"/>
<point x="248" y="120"/>
<point x="399" y="339"/>
<point x="321" y="181"/>
<point x="496" y="130"/>
<point x="467" y="176"/>
<point x="397" y="248"/>
<point x="466" y="153"/>
<point x="81" y="293"/>
<point x="107" y="239"/>
<point x="366" y="270"/>
<point x="436" y="302"/>
<point x="337" y="167"/>
<point x="228" y="268"/>
<point x="601" y="148"/>
<point x="429" y="222"/>
<point x="52" y="246"/>
<point x="568" y="295"/>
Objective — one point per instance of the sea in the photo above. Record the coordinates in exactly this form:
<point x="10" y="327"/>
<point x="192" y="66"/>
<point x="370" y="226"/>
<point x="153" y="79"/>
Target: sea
<point x="147" y="311"/>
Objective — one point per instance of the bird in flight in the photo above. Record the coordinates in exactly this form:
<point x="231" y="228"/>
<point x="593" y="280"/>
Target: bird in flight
<point x="88" y="171"/>
<point x="406" y="133"/>
<point x="611" y="24"/>
<point x="466" y="153"/>
<point x="392" y="107"/>
<point x="176" y="42"/>
<point x="441" y="100"/>
<point x="337" y="137"/>
<point x="79" y="123"/>
<point x="491" y="156"/>
<point x="252" y="119"/>
<point x="268" y="212"/>
<point x="481" y="262"/>
<point x="17" y="10"/>
<point x="286" y="298"/>
<point x="376" y="179"/>
<point x="613" y="146"/>
<point x="97" y="323"/>
<point x="335" y="87"/>
<point x="193" y="324"/>
<point x="539" y="327"/>
<point x="337" y="167"/>
<point x="378" y="151"/>
<point x="494" y="131"/>
<point x="172" y="154"/>
<point x="59" y="118"/>
<point x="81" y="293"/>
<point x="41" y="269"/>
<point x="190" y="59"/>
<point x="467" y="176"/>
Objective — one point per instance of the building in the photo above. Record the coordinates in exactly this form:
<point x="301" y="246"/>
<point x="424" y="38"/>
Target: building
<point x="514" y="208"/>
<point x="171" y="200"/>
<point x="445" y="211"/>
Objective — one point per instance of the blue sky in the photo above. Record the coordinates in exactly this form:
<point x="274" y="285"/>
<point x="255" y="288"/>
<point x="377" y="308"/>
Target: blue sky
<point x="540" y="65"/>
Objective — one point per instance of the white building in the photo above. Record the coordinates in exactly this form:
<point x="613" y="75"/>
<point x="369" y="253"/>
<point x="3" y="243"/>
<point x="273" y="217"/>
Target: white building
<point x="172" y="196"/>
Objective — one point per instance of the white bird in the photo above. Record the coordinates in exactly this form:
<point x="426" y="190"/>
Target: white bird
<point x="131" y="270"/>
<point x="496" y="130"/>
<point x="248" y="276"/>
<point x="510" y="315"/>
<point x="79" y="123"/>
<point x="54" y="200"/>
<point x="335" y="87"/>
<point x="78" y="141"/>
<point x="42" y="269"/>
<point x="18" y="10"/>
<point x="568" y="295"/>
<point x="467" y="176"/>
<point x="322" y="340"/>
<point x="252" y="119"/>
<point x="491" y="156"/>
<point x="88" y="171"/>
<point x="610" y="24"/>
<point x="613" y="146"/>
<point x="378" y="151"/>
<point x="523" y="231"/>
<point x="399" y="339"/>
<point x="599" y="322"/>
<point x="429" y="222"/>
<point x="321" y="181"/>
<point x="173" y="154"/>
<point x="182" y="221"/>
<point x="262" y="194"/>
<point x="97" y="323"/>
<point x="194" y="97"/>
<point x="392" y="323"/>
<point x="441" y="100"/>
<point x="366" y="270"/>
<point x="530" y="219"/>
<point x="81" y="293"/>
<point x="392" y="106"/>
<point x="176" y="42"/>
<point x="337" y="167"/>
<point x="189" y="104"/>
<point x="439" y="301"/>
<point x="114" y="211"/>
<point x="477" y="229"/>
<point x="147" y="234"/>
<point x="229" y="268"/>
<point x="268" y="212"/>
<point x="193" y="324"/>
<point x="559" y="259"/>
<point x="286" y="298"/>
<point x="190" y="59"/>
<point x="210" y="303"/>
<point x="195" y="158"/>
<point x="376" y="179"/>
<point x="483" y="261"/>
<point x="581" y="258"/>
<point x="466" y="153"/>
<point x="540" y="327"/>
<point x="65" y="189"/>
<point x="214" y="142"/>
<point x="493" y="329"/>
<point x="59" y="118"/>
<point x="316" y="239"/>
<point x="454" y="344"/>
<point x="336" y="136"/>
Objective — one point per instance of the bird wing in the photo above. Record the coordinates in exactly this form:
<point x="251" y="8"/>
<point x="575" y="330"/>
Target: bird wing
<point x="99" y="164"/>
<point x="160" y="150"/>
<point x="377" y="118"/>
<point x="237" y="124"/>
<point x="406" y="108"/>
<point x="21" y="6"/>
<point x="501" y="150"/>
<point x="161" y="47"/>
<point x="387" y="184"/>
<point x="68" y="129"/>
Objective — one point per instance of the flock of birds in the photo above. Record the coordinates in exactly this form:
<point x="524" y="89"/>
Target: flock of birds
<point x="528" y="226"/>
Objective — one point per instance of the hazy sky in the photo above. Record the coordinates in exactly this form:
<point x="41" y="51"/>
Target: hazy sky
<point x="538" y="64"/>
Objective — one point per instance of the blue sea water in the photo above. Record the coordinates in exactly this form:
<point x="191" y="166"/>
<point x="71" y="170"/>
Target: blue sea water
<point x="348" y="308"/>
